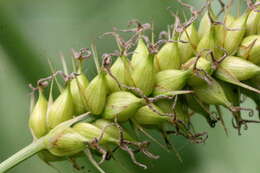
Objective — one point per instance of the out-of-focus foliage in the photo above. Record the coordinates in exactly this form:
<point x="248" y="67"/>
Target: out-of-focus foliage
<point x="33" y="31"/>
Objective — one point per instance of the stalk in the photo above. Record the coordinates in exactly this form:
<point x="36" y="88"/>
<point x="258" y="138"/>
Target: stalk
<point x="22" y="155"/>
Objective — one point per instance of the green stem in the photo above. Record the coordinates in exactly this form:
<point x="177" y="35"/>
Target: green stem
<point x="22" y="155"/>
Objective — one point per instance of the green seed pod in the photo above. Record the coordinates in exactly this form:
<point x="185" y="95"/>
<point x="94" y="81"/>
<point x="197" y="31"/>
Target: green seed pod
<point x="190" y="35"/>
<point x="91" y="132"/>
<point x="96" y="94"/>
<point x="205" y="24"/>
<point x="147" y="117"/>
<point x="212" y="94"/>
<point x="168" y="57"/>
<point x="77" y="88"/>
<point x="121" y="70"/>
<point x="202" y="64"/>
<point x="234" y="37"/>
<point x="207" y="42"/>
<point x="252" y="22"/>
<point x="68" y="143"/>
<point x="143" y="74"/>
<point x="140" y="53"/>
<point x="62" y="108"/>
<point x="221" y="30"/>
<point x="250" y="49"/>
<point x="200" y="108"/>
<point x="37" y="121"/>
<point x="239" y="68"/>
<point x="121" y="105"/>
<point x="170" y="80"/>
<point x="112" y="130"/>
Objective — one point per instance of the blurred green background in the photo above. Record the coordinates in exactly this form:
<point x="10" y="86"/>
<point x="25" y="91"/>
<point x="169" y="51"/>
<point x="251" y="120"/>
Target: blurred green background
<point x="33" y="31"/>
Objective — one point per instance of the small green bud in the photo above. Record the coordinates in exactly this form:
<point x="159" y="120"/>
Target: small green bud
<point x="252" y="22"/>
<point x="212" y="93"/>
<point x="170" y="80"/>
<point x="147" y="117"/>
<point x="187" y="50"/>
<point x="121" y="70"/>
<point x="77" y="88"/>
<point x="207" y="42"/>
<point x="90" y="132"/>
<point x="239" y="68"/>
<point x="234" y="37"/>
<point x="250" y="49"/>
<point x="96" y="94"/>
<point x="111" y="129"/>
<point x="168" y="57"/>
<point x="202" y="64"/>
<point x="205" y="23"/>
<point x="141" y="52"/>
<point x="67" y="143"/>
<point x="62" y="108"/>
<point x="37" y="121"/>
<point x="121" y="105"/>
<point x="221" y="30"/>
<point x="143" y="74"/>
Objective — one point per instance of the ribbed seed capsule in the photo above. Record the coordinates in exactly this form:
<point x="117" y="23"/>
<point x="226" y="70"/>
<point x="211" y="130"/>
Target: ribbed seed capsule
<point x="77" y="88"/>
<point x="203" y="65"/>
<point x="37" y="121"/>
<point x="252" y="22"/>
<point x="147" y="117"/>
<point x="205" y="24"/>
<point x="121" y="69"/>
<point x="68" y="143"/>
<point x="121" y="105"/>
<point x="221" y="30"/>
<point x="212" y="94"/>
<point x="96" y="94"/>
<point x="90" y="131"/>
<point x="234" y="37"/>
<point x="111" y="129"/>
<point x="207" y="42"/>
<point x="168" y="57"/>
<point x="200" y="108"/>
<point x="141" y="52"/>
<point x="62" y="109"/>
<point x="250" y="49"/>
<point x="239" y="68"/>
<point x="143" y="74"/>
<point x="170" y="80"/>
<point x="187" y="50"/>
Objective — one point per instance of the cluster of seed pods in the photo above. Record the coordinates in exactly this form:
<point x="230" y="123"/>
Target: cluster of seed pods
<point x="160" y="85"/>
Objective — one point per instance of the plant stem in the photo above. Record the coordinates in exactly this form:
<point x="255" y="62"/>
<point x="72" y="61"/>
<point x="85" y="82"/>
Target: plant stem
<point x="22" y="155"/>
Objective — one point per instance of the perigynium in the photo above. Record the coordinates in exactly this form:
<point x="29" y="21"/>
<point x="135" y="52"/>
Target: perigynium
<point x="161" y="87"/>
